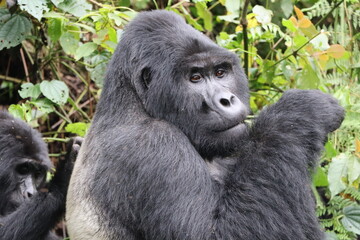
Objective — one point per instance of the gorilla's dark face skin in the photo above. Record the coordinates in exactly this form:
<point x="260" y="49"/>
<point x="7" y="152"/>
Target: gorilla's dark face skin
<point x="216" y="100"/>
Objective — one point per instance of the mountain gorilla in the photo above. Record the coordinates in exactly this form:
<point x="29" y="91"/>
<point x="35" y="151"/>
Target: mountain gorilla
<point x="173" y="103"/>
<point x="26" y="213"/>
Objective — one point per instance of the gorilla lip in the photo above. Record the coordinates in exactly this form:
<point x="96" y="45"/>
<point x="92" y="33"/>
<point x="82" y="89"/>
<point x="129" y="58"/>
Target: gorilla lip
<point x="230" y="127"/>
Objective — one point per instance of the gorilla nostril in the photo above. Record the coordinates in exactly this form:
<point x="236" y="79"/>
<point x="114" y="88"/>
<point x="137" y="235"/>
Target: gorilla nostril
<point x="225" y="102"/>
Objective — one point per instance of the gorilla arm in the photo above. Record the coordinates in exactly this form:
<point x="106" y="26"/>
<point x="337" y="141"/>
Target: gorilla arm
<point x="298" y="125"/>
<point x="271" y="176"/>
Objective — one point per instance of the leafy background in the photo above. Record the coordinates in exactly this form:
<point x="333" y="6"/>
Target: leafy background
<point x="53" y="55"/>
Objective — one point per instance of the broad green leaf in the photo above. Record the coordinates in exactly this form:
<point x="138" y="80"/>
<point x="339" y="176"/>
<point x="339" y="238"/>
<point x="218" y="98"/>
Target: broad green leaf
<point x="307" y="78"/>
<point x="13" y="29"/>
<point x="289" y="25"/>
<point x="76" y="7"/>
<point x="337" y="171"/>
<point x="205" y="14"/>
<point x="262" y="14"/>
<point x="22" y="111"/>
<point x="330" y="236"/>
<point x="44" y="105"/>
<point x="351" y="219"/>
<point x="55" y="28"/>
<point x="55" y="90"/>
<point x="78" y="128"/>
<point x="30" y="90"/>
<point x="353" y="168"/>
<point x="69" y="43"/>
<point x="330" y="151"/>
<point x="17" y="111"/>
<point x="34" y="7"/>
<point x="299" y="40"/>
<point x="85" y="50"/>
<point x="320" y="178"/>
<point x="118" y="20"/>
<point x="97" y="67"/>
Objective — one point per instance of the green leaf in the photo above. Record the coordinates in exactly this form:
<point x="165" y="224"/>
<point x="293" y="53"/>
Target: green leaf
<point x="205" y="14"/>
<point x="17" y="111"/>
<point x="307" y="78"/>
<point x="13" y="29"/>
<point x="353" y="168"/>
<point x="76" y="7"/>
<point x="351" y="219"/>
<point x="330" y="151"/>
<point x="97" y="67"/>
<point x="69" y="43"/>
<point x="289" y="25"/>
<point x="78" y="128"/>
<point x="44" y="105"/>
<point x="55" y="28"/>
<point x="30" y="90"/>
<point x="55" y="90"/>
<point x="337" y="171"/>
<point x="22" y="111"/>
<point x="320" y="178"/>
<point x="34" y="7"/>
<point x="85" y="50"/>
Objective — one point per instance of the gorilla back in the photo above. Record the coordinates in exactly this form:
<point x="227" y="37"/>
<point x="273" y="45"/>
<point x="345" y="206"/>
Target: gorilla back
<point x="173" y="101"/>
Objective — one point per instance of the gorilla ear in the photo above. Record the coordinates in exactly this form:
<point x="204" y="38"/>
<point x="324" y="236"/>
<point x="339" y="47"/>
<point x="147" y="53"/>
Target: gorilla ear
<point x="146" y="77"/>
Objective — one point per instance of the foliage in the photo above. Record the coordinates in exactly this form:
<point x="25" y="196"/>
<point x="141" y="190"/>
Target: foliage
<point x="314" y="44"/>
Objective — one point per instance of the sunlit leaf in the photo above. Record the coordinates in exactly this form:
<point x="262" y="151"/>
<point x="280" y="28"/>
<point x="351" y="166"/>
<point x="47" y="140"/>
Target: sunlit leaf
<point x="55" y="28"/>
<point x="78" y="128"/>
<point x="262" y="14"/>
<point x="320" y="178"/>
<point x="55" y="90"/>
<point x="34" y="7"/>
<point x="337" y="171"/>
<point x="76" y="7"/>
<point x="30" y="90"/>
<point x="85" y="50"/>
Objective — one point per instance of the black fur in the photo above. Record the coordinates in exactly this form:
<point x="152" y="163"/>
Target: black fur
<point x="27" y="213"/>
<point x="146" y="168"/>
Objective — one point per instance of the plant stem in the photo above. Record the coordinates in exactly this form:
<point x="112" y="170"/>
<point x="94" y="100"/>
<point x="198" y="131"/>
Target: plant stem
<point x="244" y="23"/>
<point x="324" y="17"/>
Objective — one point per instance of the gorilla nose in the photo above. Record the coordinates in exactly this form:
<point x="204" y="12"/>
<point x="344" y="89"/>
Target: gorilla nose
<point x="229" y="104"/>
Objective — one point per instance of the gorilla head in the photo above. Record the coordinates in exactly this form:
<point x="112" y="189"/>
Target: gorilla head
<point x="23" y="164"/>
<point x="191" y="82"/>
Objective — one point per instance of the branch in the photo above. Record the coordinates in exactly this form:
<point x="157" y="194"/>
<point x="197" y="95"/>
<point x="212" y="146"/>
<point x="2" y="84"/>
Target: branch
<point x="294" y="53"/>
<point x="324" y="17"/>
<point x="244" y="23"/>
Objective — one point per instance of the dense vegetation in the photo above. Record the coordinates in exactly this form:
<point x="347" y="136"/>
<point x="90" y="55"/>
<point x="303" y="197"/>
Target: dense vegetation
<point x="53" y="55"/>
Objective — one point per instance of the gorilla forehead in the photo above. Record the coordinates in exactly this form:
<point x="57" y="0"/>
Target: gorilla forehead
<point x="21" y="139"/>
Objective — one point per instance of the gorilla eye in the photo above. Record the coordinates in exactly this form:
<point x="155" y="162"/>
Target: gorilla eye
<point x="195" y="78"/>
<point x="23" y="169"/>
<point x="220" y="73"/>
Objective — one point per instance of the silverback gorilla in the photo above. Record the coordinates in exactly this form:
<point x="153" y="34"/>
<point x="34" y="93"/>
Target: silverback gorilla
<point x="26" y="213"/>
<point x="171" y="112"/>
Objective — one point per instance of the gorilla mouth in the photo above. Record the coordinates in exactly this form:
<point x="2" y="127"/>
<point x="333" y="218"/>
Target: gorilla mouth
<point x="230" y="127"/>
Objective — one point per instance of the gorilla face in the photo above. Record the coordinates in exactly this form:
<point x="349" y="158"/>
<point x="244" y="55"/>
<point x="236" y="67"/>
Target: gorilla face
<point x="206" y="97"/>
